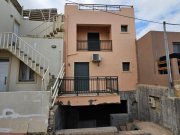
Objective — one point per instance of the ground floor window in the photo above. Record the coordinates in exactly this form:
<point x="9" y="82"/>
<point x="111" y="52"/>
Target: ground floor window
<point x="25" y="73"/>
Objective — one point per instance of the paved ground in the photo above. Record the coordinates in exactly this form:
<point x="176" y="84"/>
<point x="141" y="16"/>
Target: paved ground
<point x="146" y="128"/>
<point x="152" y="128"/>
<point x="89" y="131"/>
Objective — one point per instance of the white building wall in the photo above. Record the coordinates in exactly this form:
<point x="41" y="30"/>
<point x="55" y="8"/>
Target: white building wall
<point x="40" y="28"/>
<point x="54" y="55"/>
<point x="8" y="15"/>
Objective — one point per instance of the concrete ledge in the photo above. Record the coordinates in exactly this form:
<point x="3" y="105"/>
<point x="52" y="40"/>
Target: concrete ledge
<point x="135" y="132"/>
<point x="88" y="100"/>
<point x="89" y="131"/>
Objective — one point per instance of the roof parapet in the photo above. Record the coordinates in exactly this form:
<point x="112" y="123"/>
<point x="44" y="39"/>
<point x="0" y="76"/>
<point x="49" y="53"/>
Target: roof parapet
<point x="102" y="7"/>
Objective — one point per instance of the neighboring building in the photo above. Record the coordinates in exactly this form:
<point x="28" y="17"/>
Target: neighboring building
<point x="100" y="61"/>
<point x="156" y="102"/>
<point x="152" y="68"/>
<point x="31" y="53"/>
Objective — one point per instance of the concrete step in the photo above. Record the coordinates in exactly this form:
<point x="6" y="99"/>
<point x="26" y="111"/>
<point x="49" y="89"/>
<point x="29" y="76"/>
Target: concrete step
<point x="89" y="131"/>
<point x="134" y="132"/>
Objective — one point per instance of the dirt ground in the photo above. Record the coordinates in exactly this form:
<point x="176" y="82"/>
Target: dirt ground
<point x="152" y="128"/>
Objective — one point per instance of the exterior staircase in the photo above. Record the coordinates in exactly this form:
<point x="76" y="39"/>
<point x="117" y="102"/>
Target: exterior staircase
<point x="27" y="54"/>
<point x="50" y="28"/>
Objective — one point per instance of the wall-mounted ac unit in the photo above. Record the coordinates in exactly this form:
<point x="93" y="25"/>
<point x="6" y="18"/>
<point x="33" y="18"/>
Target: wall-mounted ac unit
<point x="96" y="58"/>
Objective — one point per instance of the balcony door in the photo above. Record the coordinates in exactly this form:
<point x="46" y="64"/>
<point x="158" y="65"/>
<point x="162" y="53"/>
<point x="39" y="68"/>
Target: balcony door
<point x="93" y="42"/>
<point x="81" y="76"/>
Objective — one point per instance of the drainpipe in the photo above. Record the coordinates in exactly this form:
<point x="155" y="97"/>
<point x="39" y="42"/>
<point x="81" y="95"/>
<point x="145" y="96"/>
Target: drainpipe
<point x="170" y="86"/>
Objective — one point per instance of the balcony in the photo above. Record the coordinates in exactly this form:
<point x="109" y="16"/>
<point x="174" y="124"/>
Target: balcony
<point x="162" y="63"/>
<point x="98" y="45"/>
<point x="85" y="85"/>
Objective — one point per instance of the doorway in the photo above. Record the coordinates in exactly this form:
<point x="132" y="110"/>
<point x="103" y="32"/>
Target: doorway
<point x="4" y="67"/>
<point x="81" y="76"/>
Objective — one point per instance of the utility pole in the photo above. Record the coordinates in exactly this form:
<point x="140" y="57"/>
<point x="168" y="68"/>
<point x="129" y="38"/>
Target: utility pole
<point x="170" y="90"/>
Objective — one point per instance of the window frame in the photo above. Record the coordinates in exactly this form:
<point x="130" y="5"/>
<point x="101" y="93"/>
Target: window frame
<point x="129" y="66"/>
<point x="176" y="44"/>
<point x="21" y="80"/>
<point x="127" y="28"/>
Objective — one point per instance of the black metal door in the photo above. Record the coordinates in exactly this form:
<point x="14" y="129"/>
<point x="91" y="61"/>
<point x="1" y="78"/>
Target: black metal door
<point x="81" y="74"/>
<point x="93" y="42"/>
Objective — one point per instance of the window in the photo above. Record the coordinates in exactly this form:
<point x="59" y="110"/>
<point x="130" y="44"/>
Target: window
<point x="126" y="66"/>
<point x="25" y="73"/>
<point x="176" y="47"/>
<point x="124" y="28"/>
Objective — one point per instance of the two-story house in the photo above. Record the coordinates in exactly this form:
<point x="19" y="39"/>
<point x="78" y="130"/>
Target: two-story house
<point x="100" y="61"/>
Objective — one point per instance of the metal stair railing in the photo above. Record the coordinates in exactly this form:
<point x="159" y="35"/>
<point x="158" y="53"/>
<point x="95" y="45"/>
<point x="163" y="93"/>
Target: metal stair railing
<point x="57" y="85"/>
<point x="45" y="80"/>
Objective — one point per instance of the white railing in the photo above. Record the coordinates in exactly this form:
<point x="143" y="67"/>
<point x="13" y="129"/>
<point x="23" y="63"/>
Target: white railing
<point x="47" y="27"/>
<point x="24" y="52"/>
<point x="57" y="84"/>
<point x="45" y="80"/>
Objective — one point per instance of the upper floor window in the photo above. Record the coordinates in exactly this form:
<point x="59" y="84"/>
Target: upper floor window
<point x="25" y="73"/>
<point x="124" y="28"/>
<point x="126" y="66"/>
<point x="176" y="47"/>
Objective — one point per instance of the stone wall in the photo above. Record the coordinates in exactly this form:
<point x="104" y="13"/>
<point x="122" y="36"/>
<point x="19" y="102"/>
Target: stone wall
<point x="118" y="120"/>
<point x="154" y="105"/>
<point x="130" y="96"/>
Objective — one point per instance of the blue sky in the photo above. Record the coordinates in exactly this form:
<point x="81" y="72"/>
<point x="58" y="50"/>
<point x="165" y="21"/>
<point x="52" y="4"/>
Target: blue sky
<point x="157" y="10"/>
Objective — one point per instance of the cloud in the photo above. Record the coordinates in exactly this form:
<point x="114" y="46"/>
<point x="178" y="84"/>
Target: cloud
<point x="161" y="10"/>
<point x="157" y="10"/>
<point x="37" y="4"/>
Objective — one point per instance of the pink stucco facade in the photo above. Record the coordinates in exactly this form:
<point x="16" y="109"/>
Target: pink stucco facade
<point x="78" y="23"/>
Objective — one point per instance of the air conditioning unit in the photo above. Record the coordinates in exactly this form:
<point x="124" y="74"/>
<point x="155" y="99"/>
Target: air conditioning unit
<point x="96" y="58"/>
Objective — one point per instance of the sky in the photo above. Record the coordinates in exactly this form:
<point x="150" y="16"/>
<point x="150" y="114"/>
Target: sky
<point x="156" y="10"/>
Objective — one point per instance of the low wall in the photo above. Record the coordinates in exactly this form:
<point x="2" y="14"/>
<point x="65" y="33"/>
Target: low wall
<point x="154" y="105"/>
<point x="130" y="96"/>
<point x="118" y="120"/>
<point x="24" y="103"/>
<point x="29" y="109"/>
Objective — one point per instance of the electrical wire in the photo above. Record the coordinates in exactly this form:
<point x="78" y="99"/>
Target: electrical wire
<point x="130" y="17"/>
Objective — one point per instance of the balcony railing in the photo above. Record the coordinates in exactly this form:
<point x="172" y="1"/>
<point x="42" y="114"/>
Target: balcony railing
<point x="98" y="45"/>
<point x="83" y="85"/>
